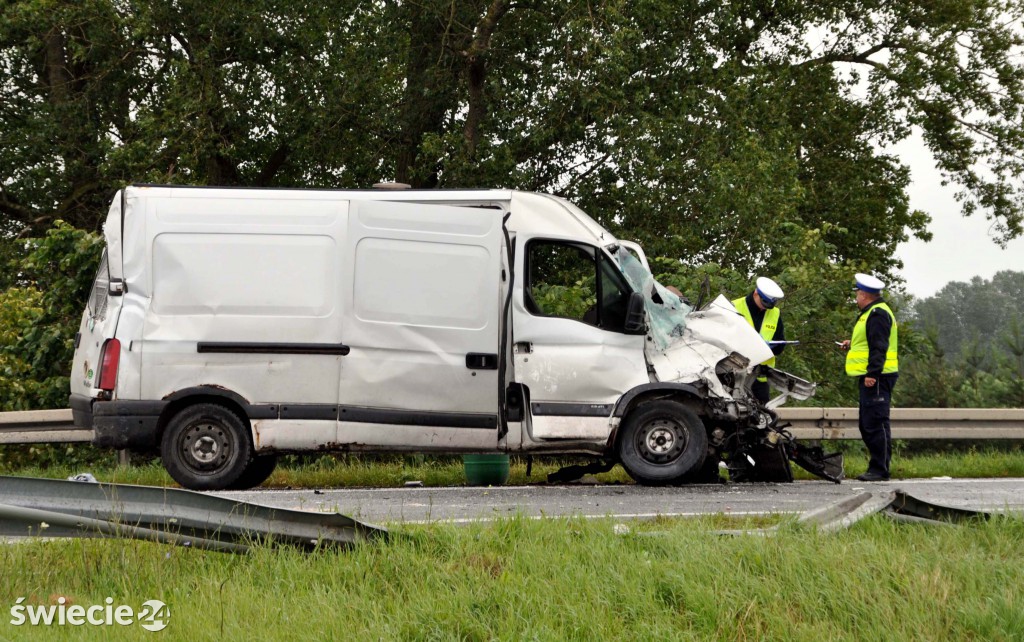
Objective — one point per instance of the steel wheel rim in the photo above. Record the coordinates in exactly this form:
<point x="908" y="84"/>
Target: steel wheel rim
<point x="206" y="446"/>
<point x="662" y="441"/>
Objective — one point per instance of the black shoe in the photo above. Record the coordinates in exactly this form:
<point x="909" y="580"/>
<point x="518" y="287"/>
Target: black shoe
<point x="872" y="477"/>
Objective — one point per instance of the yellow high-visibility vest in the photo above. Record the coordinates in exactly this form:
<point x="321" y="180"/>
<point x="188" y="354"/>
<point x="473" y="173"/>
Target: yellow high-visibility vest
<point x="768" y="325"/>
<point x="857" y="357"/>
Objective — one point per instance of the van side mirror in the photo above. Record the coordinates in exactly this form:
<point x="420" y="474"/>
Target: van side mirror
<point x="635" y="322"/>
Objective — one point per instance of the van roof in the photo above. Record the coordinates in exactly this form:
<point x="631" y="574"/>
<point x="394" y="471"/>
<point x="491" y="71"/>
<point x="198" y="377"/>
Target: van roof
<point x="531" y="212"/>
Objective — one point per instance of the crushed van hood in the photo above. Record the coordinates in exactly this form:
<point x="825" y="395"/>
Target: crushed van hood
<point x="709" y="336"/>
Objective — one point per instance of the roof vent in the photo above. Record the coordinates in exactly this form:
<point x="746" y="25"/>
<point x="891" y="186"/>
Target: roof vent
<point x="392" y="186"/>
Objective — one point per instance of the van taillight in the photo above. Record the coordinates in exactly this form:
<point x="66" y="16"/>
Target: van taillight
<point x="109" y="360"/>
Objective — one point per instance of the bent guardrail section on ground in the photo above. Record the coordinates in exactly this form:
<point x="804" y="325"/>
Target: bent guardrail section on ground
<point x="55" y="426"/>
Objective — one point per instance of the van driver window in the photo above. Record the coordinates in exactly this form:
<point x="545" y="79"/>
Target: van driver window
<point x="569" y="280"/>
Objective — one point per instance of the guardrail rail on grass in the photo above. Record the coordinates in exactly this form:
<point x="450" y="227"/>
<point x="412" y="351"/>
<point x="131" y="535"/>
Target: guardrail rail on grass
<point x="55" y="426"/>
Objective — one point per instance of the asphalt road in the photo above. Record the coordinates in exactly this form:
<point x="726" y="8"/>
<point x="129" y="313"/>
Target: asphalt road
<point x="389" y="505"/>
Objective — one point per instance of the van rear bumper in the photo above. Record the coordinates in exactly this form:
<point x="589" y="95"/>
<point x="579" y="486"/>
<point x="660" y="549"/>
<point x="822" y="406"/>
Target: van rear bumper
<point x="119" y="424"/>
<point x="81" y="410"/>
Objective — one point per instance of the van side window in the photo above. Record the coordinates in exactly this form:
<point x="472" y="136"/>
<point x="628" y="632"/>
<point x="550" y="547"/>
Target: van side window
<point x="575" y="281"/>
<point x="100" y="290"/>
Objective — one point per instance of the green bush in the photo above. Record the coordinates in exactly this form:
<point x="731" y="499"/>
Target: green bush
<point x="40" y="313"/>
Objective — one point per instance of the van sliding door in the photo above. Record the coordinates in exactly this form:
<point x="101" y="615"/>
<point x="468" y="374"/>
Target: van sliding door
<point x="423" y="319"/>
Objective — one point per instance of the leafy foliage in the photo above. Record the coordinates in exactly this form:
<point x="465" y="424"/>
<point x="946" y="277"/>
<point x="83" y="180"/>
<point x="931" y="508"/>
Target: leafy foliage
<point x="698" y="127"/>
<point x="969" y="317"/>
<point x="39" y="315"/>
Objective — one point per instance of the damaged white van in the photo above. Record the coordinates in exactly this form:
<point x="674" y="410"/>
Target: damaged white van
<point x="227" y="326"/>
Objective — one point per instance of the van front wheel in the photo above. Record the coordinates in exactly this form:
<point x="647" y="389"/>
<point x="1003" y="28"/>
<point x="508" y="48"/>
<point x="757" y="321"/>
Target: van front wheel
<point x="206" y="447"/>
<point x="662" y="441"/>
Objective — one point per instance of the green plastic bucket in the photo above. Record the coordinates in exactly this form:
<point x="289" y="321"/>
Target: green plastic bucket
<point x="485" y="470"/>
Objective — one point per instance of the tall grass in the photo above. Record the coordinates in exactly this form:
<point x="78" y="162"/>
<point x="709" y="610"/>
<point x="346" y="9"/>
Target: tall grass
<point x="556" y="579"/>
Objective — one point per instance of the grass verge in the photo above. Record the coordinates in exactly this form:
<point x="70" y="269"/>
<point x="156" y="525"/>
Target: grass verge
<point x="554" y="579"/>
<point x="381" y="472"/>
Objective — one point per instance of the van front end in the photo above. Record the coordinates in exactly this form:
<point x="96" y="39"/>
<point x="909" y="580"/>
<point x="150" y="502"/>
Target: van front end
<point x="716" y="355"/>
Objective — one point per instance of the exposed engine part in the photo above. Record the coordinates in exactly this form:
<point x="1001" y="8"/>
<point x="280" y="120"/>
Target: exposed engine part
<point x="762" y="452"/>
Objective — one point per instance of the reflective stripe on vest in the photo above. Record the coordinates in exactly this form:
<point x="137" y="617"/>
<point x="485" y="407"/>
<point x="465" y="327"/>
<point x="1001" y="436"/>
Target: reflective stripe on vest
<point x="857" y="357"/>
<point x="768" y="325"/>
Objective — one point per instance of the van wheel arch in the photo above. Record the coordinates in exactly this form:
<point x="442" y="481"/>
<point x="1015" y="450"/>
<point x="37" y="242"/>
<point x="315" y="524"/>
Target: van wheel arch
<point x="685" y="394"/>
<point x="182" y="399"/>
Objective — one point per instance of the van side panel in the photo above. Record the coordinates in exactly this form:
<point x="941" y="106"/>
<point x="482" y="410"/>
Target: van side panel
<point x="241" y="288"/>
<point x="424" y="297"/>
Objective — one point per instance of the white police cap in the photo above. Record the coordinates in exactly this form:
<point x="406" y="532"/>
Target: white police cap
<point x="769" y="290"/>
<point x="868" y="283"/>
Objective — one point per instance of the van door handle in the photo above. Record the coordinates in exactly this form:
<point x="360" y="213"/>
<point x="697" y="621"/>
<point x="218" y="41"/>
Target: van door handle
<point x="481" y="361"/>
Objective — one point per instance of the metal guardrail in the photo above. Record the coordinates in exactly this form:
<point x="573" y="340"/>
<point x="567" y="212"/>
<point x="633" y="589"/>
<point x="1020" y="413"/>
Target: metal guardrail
<point x="57" y="508"/>
<point x="910" y="423"/>
<point x="55" y="426"/>
<point x="40" y="427"/>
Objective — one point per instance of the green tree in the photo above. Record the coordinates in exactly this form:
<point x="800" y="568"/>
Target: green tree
<point x="39" y="316"/>
<point x="970" y="316"/>
<point x="697" y="127"/>
<point x="745" y="137"/>
<point x="927" y="380"/>
<point x="1009" y="369"/>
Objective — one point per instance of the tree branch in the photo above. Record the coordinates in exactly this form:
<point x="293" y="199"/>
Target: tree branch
<point x="477" y="72"/>
<point x="863" y="57"/>
<point x="274" y="164"/>
<point x="14" y="210"/>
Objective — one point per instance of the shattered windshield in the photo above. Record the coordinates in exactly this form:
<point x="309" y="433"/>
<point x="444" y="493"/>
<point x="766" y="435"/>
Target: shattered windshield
<point x="666" y="312"/>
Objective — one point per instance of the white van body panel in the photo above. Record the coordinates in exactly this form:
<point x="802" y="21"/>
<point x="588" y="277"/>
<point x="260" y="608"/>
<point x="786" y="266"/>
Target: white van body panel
<point x="100" y="318"/>
<point x="221" y="266"/>
<point x="571" y="363"/>
<point x="385" y="321"/>
<point x="425" y="292"/>
<point x="571" y="366"/>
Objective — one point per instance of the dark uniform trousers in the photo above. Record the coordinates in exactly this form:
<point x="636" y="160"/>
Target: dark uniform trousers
<point x="761" y="391"/>
<point x="874" y="421"/>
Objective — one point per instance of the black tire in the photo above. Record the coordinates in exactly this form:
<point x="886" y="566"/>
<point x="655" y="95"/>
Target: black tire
<point x="257" y="472"/>
<point x="206" y="447"/>
<point x="662" y="441"/>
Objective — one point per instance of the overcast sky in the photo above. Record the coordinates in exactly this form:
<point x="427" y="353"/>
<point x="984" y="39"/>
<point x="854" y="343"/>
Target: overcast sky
<point x="961" y="247"/>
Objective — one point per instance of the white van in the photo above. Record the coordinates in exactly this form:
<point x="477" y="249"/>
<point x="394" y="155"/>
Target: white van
<point x="226" y="326"/>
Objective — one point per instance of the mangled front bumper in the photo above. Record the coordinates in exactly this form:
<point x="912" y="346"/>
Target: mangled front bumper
<point x="788" y="386"/>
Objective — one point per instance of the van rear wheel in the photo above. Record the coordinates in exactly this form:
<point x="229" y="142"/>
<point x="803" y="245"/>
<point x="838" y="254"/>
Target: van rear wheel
<point x="206" y="447"/>
<point x="258" y="471"/>
<point x="661" y="441"/>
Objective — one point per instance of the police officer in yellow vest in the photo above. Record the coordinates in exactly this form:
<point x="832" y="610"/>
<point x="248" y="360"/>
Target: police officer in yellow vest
<point x="758" y="308"/>
<point x="872" y="358"/>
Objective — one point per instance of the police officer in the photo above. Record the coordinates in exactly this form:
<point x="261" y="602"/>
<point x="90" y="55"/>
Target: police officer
<point x="872" y="358"/>
<point x="758" y="308"/>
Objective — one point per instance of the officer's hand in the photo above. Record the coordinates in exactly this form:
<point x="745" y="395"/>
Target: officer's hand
<point x="844" y="345"/>
<point x="869" y="382"/>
